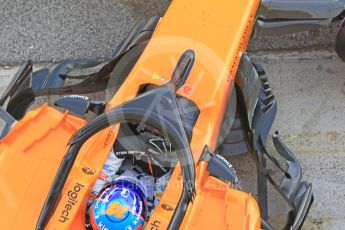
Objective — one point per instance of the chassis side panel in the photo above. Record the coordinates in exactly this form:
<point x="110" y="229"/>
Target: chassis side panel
<point x="29" y="158"/>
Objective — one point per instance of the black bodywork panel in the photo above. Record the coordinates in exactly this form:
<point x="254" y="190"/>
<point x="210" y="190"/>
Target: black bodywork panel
<point x="256" y="111"/>
<point x="27" y="85"/>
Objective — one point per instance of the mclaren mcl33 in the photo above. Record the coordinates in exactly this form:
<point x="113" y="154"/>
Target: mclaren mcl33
<point x="181" y="96"/>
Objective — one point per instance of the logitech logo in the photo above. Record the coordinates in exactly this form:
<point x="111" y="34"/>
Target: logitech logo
<point x="71" y="202"/>
<point x="155" y="225"/>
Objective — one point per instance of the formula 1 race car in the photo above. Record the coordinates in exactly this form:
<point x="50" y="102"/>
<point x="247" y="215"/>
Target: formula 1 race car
<point x="181" y="96"/>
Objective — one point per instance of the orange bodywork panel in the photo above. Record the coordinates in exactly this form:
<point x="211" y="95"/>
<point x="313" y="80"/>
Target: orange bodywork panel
<point x="218" y="32"/>
<point x="29" y="158"/>
<point x="215" y="206"/>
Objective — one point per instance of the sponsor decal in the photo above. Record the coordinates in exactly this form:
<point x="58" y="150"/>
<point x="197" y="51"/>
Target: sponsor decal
<point x="77" y="96"/>
<point x="226" y="162"/>
<point x="88" y="171"/>
<point x="168" y="207"/>
<point x="155" y="225"/>
<point x="108" y="139"/>
<point x="71" y="202"/>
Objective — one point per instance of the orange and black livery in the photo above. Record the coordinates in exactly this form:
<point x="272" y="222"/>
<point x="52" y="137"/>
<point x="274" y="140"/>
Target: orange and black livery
<point x="185" y="77"/>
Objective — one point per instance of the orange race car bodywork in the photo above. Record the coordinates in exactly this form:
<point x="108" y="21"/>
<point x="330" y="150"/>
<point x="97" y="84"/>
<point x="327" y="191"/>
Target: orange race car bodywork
<point x="32" y="151"/>
<point x="188" y="25"/>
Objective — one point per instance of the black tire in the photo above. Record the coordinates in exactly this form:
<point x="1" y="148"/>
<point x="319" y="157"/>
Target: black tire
<point x="340" y="41"/>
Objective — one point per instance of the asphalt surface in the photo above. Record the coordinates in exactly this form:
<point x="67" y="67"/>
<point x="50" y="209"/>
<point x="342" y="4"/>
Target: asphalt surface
<point x="317" y="39"/>
<point x="54" y="30"/>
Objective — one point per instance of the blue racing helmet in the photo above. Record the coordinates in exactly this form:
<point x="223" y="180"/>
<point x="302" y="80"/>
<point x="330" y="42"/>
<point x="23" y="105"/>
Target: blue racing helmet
<point x="121" y="205"/>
